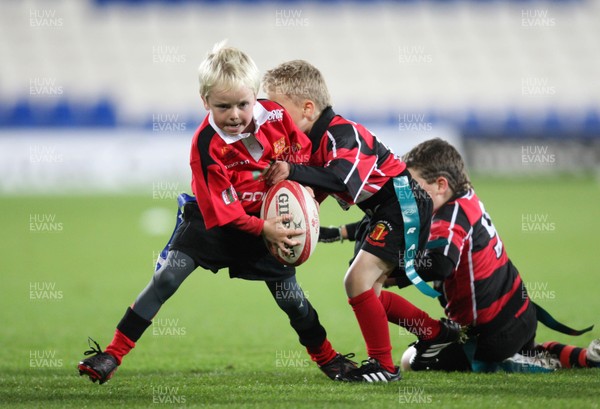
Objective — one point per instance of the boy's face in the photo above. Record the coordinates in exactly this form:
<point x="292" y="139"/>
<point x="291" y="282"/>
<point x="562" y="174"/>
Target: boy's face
<point x="296" y="112"/>
<point x="439" y="190"/>
<point x="232" y="110"/>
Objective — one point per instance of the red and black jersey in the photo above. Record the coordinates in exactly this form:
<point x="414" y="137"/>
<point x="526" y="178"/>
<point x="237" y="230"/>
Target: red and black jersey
<point x="347" y="160"/>
<point x="484" y="282"/>
<point x="226" y="170"/>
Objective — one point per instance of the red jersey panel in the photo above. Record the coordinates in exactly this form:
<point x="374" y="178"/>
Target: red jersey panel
<point x="226" y="170"/>
<point x="484" y="280"/>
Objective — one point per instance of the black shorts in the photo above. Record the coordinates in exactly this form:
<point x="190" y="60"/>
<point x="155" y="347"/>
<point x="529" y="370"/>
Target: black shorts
<point x="383" y="236"/>
<point x="516" y="335"/>
<point x="245" y="255"/>
<point x="493" y="346"/>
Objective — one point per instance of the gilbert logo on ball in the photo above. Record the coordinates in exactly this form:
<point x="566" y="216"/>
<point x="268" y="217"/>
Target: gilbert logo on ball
<point x="288" y="197"/>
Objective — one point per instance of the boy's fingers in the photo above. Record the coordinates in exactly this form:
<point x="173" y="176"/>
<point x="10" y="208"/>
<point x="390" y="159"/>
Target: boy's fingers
<point x="295" y="232"/>
<point x="289" y="232"/>
<point x="285" y="218"/>
<point x="290" y="242"/>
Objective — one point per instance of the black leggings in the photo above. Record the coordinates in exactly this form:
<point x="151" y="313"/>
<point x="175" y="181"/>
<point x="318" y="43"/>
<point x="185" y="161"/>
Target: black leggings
<point x="287" y="294"/>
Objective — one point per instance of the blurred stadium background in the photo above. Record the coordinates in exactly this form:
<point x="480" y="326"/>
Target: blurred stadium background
<point x="101" y="95"/>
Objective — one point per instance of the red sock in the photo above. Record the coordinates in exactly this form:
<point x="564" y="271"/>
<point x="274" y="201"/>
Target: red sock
<point x="372" y="320"/>
<point x="402" y="312"/>
<point x="322" y="353"/>
<point x="120" y="346"/>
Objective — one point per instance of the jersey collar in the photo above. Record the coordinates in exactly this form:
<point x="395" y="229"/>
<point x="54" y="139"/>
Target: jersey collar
<point x="320" y="126"/>
<point x="467" y="194"/>
<point x="260" y="115"/>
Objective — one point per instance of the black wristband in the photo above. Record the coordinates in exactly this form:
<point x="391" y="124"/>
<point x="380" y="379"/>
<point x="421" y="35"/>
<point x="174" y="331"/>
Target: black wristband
<point x="330" y="234"/>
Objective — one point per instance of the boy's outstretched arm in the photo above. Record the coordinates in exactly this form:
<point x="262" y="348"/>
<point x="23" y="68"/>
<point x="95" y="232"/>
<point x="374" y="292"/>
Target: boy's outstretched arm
<point x="433" y="267"/>
<point x="344" y="232"/>
<point x="316" y="176"/>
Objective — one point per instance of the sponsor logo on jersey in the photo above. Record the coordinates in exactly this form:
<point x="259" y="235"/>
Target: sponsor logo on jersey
<point x="252" y="196"/>
<point x="228" y="153"/>
<point x="275" y="115"/>
<point x="377" y="235"/>
<point x="225" y="149"/>
<point x="229" y="195"/>
<point x="237" y="163"/>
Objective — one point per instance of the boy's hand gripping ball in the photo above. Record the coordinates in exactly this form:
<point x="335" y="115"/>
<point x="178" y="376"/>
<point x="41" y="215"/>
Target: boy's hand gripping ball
<point x="289" y="197"/>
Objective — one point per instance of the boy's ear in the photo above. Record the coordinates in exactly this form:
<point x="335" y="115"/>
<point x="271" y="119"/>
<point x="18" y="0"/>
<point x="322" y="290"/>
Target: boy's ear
<point x="442" y="184"/>
<point x="205" y="102"/>
<point x="308" y="109"/>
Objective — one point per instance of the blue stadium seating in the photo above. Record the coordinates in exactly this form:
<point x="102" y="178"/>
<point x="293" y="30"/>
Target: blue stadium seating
<point x="108" y="56"/>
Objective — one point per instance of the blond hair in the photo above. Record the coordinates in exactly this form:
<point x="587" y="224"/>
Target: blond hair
<point x="229" y="68"/>
<point x="298" y="80"/>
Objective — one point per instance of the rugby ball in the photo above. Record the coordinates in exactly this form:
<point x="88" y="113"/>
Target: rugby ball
<point x="288" y="197"/>
<point x="407" y="356"/>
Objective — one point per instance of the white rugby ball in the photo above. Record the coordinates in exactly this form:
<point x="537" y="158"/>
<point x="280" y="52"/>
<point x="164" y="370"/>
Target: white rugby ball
<point x="289" y="197"/>
<point x="407" y="356"/>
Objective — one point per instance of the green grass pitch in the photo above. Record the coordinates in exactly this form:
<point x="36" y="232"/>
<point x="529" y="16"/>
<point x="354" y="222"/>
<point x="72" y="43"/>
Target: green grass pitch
<point x="70" y="266"/>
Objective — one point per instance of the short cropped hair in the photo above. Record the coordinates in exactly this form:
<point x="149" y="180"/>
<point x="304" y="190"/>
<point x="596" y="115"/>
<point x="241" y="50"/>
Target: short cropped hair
<point x="435" y="158"/>
<point x="298" y="80"/>
<point x="229" y="68"/>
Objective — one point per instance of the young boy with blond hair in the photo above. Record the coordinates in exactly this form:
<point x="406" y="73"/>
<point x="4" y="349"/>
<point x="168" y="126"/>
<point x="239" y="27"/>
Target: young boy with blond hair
<point x="349" y="163"/>
<point x="221" y="227"/>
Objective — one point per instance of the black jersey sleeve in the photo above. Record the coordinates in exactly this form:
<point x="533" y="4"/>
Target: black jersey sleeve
<point x="351" y="229"/>
<point x="434" y="266"/>
<point x="315" y="176"/>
